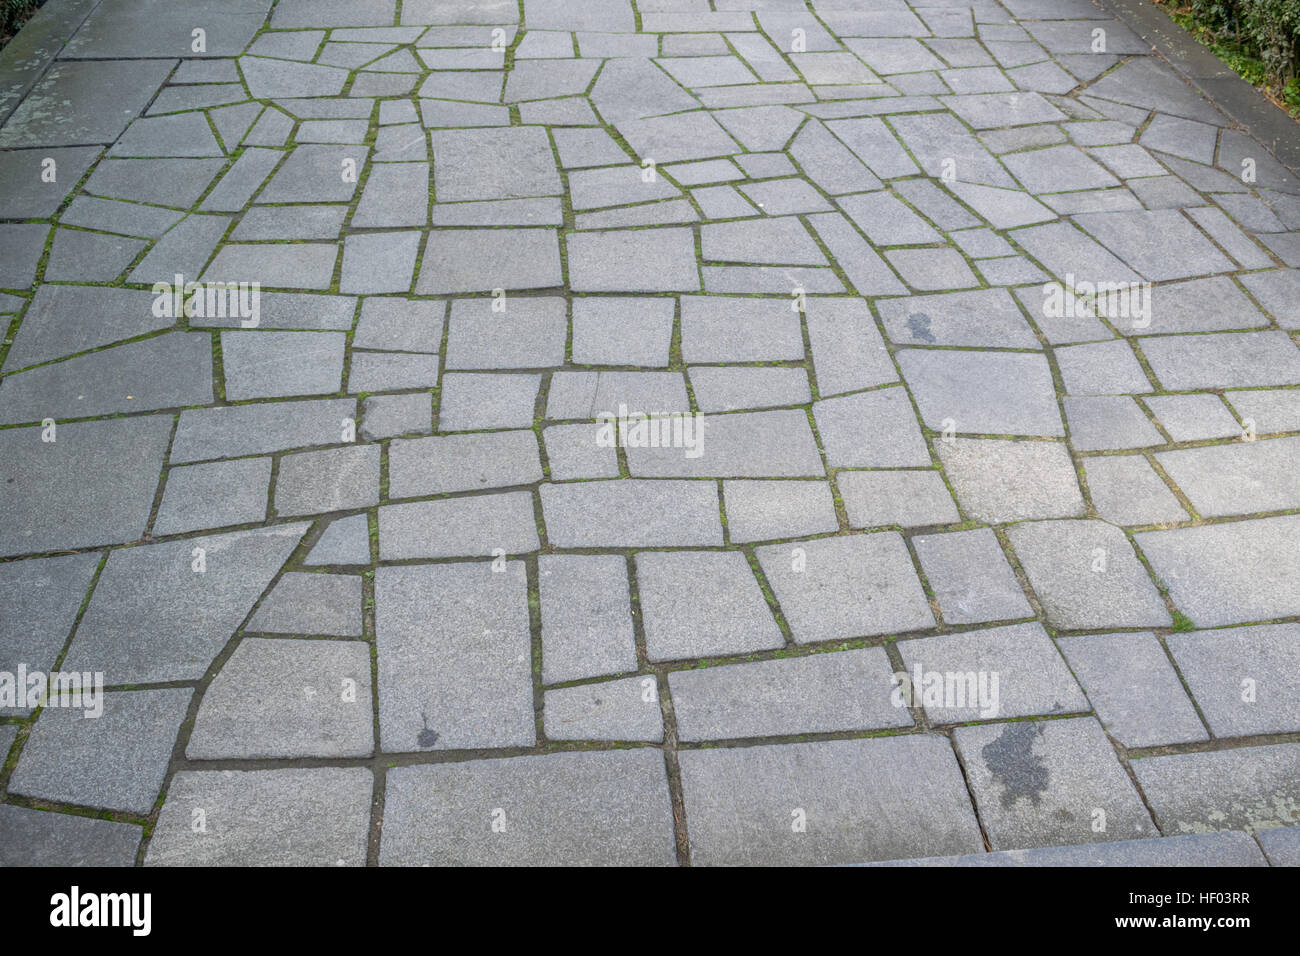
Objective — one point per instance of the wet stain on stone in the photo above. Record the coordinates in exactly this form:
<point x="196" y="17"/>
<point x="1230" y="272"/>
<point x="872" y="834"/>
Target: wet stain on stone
<point x="918" y="323"/>
<point x="1013" y="763"/>
<point x="427" y="737"/>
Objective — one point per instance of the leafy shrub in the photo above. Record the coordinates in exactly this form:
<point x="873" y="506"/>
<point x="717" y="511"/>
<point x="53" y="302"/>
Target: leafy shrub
<point x="1267" y="29"/>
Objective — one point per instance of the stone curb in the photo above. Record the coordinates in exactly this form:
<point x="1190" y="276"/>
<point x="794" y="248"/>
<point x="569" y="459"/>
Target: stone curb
<point x="29" y="54"/>
<point x="1263" y="120"/>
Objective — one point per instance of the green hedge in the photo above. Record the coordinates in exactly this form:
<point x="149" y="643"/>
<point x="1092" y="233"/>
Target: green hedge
<point x="1266" y="29"/>
<point x="12" y="15"/>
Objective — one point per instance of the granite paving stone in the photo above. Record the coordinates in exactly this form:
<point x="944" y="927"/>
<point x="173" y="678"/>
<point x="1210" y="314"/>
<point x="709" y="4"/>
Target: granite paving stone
<point x="285" y="817"/>
<point x="287" y="698"/>
<point x="120" y="748"/>
<point x="610" y="392"/>
<point x="1050" y="783"/>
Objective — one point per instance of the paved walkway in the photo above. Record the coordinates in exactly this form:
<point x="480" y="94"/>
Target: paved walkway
<point x="381" y="561"/>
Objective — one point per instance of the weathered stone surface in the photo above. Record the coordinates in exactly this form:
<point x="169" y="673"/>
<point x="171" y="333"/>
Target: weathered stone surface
<point x="626" y="709"/>
<point x="291" y="817"/>
<point x="739" y="802"/>
<point x="1243" y="679"/>
<point x="42" y="838"/>
<point x="586" y="616"/>
<point x="572" y="809"/>
<point x="1253" y="788"/>
<point x="455" y="663"/>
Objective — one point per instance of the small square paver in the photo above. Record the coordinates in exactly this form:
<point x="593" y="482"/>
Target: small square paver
<point x="1134" y="688"/>
<point x="851" y="586"/>
<point x="576" y="451"/>
<point x="1101" y="368"/>
<point x="1193" y="417"/>
<point x="287" y="698"/>
<point x="971" y="577"/>
<point x="213" y="495"/>
<point x="702" y="604"/>
<point x="379" y="262"/>
<point x="337" y="479"/>
<point x="387" y="416"/>
<point x="1127" y="491"/>
<point x="871" y="430"/>
<point x="1050" y="783"/>
<point x="622" y="330"/>
<point x="528" y="333"/>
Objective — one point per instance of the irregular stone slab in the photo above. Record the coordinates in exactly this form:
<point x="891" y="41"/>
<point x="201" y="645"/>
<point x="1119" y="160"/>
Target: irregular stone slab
<point x="1126" y="491"/>
<point x="1282" y="844"/>
<point x="631" y="513"/>
<point x="1263" y="474"/>
<point x="723" y="329"/>
<point x="650" y="260"/>
<point x="44" y="838"/>
<point x="774" y="241"/>
<point x="1086" y="575"/>
<point x="626" y="709"/>
<point x="851" y="586"/>
<point x="586" y="618"/>
<point x="163" y="372"/>
<point x="214" y="495"/>
<point x="763" y="510"/>
<point x="474" y="401"/>
<point x="1243" y="679"/>
<point x="336" y="479"/>
<point x="287" y="698"/>
<point x="819" y="693"/>
<point x="345" y="541"/>
<point x="1241" y="359"/>
<point x="455" y="527"/>
<point x="581" y="809"/>
<point x="43" y="598"/>
<point x="455" y="660"/>
<point x="311" y="604"/>
<point x="848" y="351"/>
<point x="25" y="193"/>
<point x="293" y="817"/>
<point x="94" y="485"/>
<point x="21" y="247"/>
<point x="986" y="318"/>
<point x="89" y="257"/>
<point x="572" y="451"/>
<point x="1230" y="848"/>
<point x="121" y="754"/>
<point x="268" y="79"/>
<point x="702" y="604"/>
<point x="933" y="138"/>
<point x="154" y="618"/>
<point x="740" y="802"/>
<point x="1250" y="788"/>
<point x="871" y="430"/>
<point x="129" y="29"/>
<point x="529" y="334"/>
<point x="1148" y="83"/>
<point x="79" y="103"/>
<point x="998" y="481"/>
<point x="624" y="330"/>
<point x="991" y="393"/>
<point x="429" y="466"/>
<point x="970" y="577"/>
<point x="743" y="445"/>
<point x="314" y="173"/>
<point x="237" y="430"/>
<point x="910" y="499"/>
<point x="1229" y="573"/>
<point x="1159" y="243"/>
<point x="1050" y="782"/>
<point x="632" y="89"/>
<point x="181" y="135"/>
<point x="998" y="672"/>
<point x="275" y="364"/>
<point x="480" y="260"/>
<point x="379" y="262"/>
<point x="507" y="163"/>
<point x="731" y="389"/>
